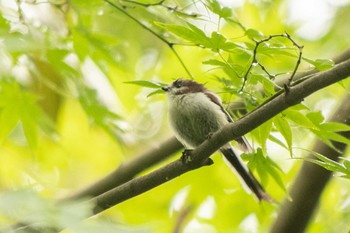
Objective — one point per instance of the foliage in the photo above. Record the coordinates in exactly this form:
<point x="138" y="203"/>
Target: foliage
<point x="74" y="81"/>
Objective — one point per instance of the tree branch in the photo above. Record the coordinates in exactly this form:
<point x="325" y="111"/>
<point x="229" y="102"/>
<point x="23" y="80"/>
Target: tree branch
<point x="128" y="170"/>
<point x="311" y="181"/>
<point x="231" y="131"/>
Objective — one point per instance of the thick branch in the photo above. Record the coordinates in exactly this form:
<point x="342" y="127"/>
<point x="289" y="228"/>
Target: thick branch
<point x="129" y="169"/>
<point x="310" y="182"/>
<point x="281" y="102"/>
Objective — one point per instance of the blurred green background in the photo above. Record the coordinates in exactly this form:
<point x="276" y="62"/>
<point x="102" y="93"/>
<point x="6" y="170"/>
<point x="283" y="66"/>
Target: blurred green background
<point x="68" y="117"/>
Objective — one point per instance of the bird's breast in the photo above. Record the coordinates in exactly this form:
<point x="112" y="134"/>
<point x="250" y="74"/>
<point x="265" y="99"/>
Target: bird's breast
<point x="193" y="117"/>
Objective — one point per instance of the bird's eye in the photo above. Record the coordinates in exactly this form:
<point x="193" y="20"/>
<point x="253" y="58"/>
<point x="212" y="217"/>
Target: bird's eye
<point x="178" y="84"/>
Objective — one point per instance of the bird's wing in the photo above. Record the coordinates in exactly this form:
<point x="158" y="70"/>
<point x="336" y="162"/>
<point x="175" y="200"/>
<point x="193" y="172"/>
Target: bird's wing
<point x="242" y="141"/>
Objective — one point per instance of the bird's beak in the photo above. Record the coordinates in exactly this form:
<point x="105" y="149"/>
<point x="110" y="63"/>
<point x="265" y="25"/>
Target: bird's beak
<point x="165" y="89"/>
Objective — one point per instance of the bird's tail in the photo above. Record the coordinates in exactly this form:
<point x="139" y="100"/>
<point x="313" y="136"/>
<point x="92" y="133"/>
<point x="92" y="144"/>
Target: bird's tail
<point x="248" y="178"/>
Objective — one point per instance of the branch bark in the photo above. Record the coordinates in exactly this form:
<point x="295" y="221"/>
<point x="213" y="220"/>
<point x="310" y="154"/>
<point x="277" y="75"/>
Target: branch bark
<point x="310" y="182"/>
<point x="129" y="169"/>
<point x="280" y="102"/>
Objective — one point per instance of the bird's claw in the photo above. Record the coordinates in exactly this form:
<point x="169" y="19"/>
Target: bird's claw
<point x="210" y="135"/>
<point x="186" y="156"/>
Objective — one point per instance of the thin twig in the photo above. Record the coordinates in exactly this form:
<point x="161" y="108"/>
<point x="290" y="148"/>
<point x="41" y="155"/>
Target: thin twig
<point x="170" y="44"/>
<point x="161" y="3"/>
<point x="256" y="62"/>
<point x="145" y="4"/>
<point x="300" y="47"/>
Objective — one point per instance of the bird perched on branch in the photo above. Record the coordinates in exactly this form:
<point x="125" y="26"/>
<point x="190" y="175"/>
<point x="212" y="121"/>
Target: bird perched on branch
<point x="194" y="114"/>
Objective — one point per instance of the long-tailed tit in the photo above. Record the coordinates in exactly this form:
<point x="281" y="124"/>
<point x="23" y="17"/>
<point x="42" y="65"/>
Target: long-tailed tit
<point x="194" y="113"/>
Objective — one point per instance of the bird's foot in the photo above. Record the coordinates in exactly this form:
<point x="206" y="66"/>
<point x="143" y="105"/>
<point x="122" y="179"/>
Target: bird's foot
<point x="209" y="135"/>
<point x="186" y="157"/>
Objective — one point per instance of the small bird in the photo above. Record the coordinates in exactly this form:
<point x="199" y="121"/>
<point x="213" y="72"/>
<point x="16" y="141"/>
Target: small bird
<point x="194" y="114"/>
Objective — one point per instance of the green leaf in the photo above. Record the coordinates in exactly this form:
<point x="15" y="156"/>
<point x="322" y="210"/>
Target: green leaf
<point x="155" y="93"/>
<point x="316" y="117"/>
<point x="267" y="83"/>
<point x="334" y="127"/>
<point x="30" y="131"/>
<point x="325" y="165"/>
<point x="328" y="163"/>
<point x="346" y="163"/>
<point x="215" y="7"/>
<point x="277" y="141"/>
<point x="321" y="64"/>
<point x="218" y="41"/>
<point x="144" y="83"/>
<point x="265" y="168"/>
<point x="190" y="33"/>
<point x="263" y="133"/>
<point x="324" y="139"/>
<point x="19" y="106"/>
<point x="300" y="119"/>
<point x="335" y="137"/>
<point x="299" y="107"/>
<point x="214" y="62"/>
<point x="9" y="117"/>
<point x="231" y="70"/>
<point x="254" y="34"/>
<point x="271" y="51"/>
<point x="98" y="113"/>
<point x="283" y="127"/>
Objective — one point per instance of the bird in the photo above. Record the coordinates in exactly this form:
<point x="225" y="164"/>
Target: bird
<point x="194" y="114"/>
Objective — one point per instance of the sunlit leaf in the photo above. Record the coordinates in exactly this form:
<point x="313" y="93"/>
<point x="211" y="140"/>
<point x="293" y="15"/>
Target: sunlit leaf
<point x="300" y="119"/>
<point x="334" y="127"/>
<point x="220" y="42"/>
<point x="265" y="168"/>
<point x="30" y="130"/>
<point x="155" y="93"/>
<point x="267" y="84"/>
<point x="271" y="51"/>
<point x="9" y="117"/>
<point x="335" y="137"/>
<point x="328" y="163"/>
<point x="214" y="62"/>
<point x="321" y="64"/>
<point x="190" y="33"/>
<point x="277" y="141"/>
<point x="283" y="127"/>
<point x="232" y="70"/>
<point x="145" y="83"/>
<point x="254" y="34"/>
<point x="324" y="139"/>
<point x="263" y="133"/>
<point x="20" y="106"/>
<point x="316" y="117"/>
<point x="346" y="163"/>
<point x="98" y="113"/>
<point x="216" y="8"/>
